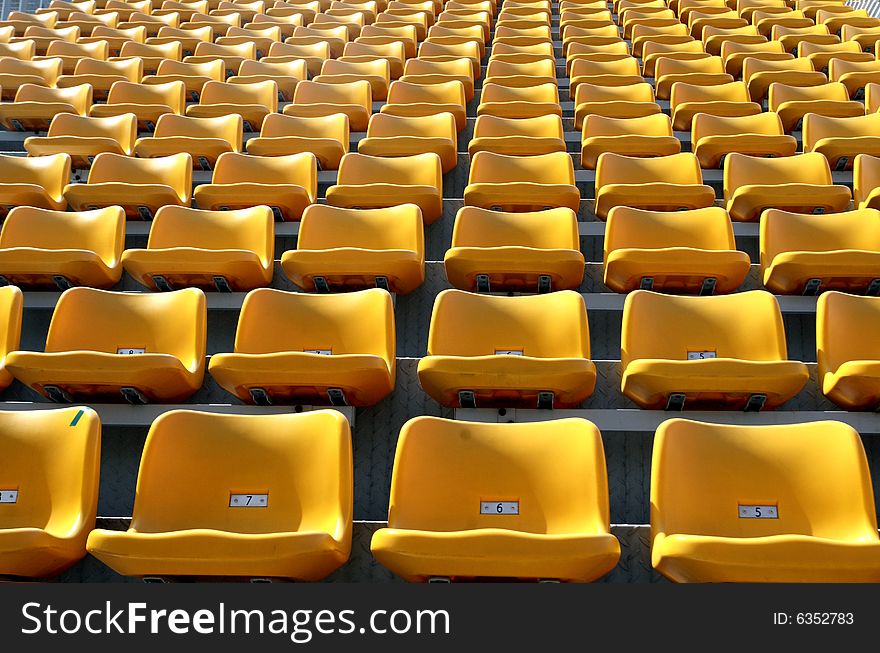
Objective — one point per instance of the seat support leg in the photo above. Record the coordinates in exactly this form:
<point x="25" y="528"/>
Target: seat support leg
<point x="708" y="287"/>
<point x="321" y="284"/>
<point x="337" y="397"/>
<point x="467" y="399"/>
<point x="675" y="401"/>
<point x="545" y="283"/>
<point x="162" y="283"/>
<point x="545" y="400"/>
<point x="133" y="396"/>
<point x="755" y="403"/>
<point x="483" y="283"/>
<point x="58" y="395"/>
<point x="647" y="283"/>
<point x="221" y="284"/>
<point x="260" y="397"/>
<point x="873" y="288"/>
<point x="811" y="288"/>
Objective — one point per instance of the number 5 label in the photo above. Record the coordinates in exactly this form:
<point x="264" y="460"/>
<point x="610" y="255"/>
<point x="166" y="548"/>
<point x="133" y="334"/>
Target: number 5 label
<point x="758" y="512"/>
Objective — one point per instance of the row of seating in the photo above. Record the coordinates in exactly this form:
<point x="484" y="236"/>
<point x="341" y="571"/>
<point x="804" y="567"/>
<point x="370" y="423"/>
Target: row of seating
<point x="270" y="496"/>
<point x="721" y="352"/>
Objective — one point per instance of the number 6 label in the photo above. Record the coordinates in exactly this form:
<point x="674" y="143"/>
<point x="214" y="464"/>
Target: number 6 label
<point x="499" y="507"/>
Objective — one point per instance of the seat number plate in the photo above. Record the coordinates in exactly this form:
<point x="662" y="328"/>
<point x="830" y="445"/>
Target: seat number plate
<point x="8" y="496"/>
<point x="320" y="352"/>
<point x="248" y="500"/>
<point x="130" y="351"/>
<point x="499" y="507"/>
<point x="758" y="512"/>
<point x="700" y="355"/>
<point x="508" y="352"/>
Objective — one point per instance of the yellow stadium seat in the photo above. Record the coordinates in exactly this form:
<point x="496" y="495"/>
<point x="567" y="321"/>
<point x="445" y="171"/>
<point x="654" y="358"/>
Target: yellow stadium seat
<point x="665" y="183"/>
<point x="139" y="186"/>
<point x="116" y="37"/>
<point x="726" y="351"/>
<point x="39" y="247"/>
<point x="147" y="102"/>
<point x="204" y="139"/>
<point x="852" y="74"/>
<point x="395" y="136"/>
<point x="316" y="99"/>
<point x="285" y="74"/>
<point x="647" y="136"/>
<point x="808" y="254"/>
<point x="735" y="53"/>
<point x="628" y="101"/>
<point x="380" y="35"/>
<point x="49" y="477"/>
<point x="287" y="184"/>
<point x="408" y="99"/>
<point x="11" y="302"/>
<point x="232" y="56"/>
<point x="849" y="364"/>
<point x="15" y="73"/>
<point x="507" y="73"/>
<point x="866" y="37"/>
<point x="43" y="36"/>
<point x="142" y="346"/>
<point x="821" y="54"/>
<point x="432" y="52"/>
<point x="518" y="136"/>
<point x="687" y="100"/>
<point x="327" y="137"/>
<point x="691" y="252"/>
<point x="328" y="358"/>
<point x="253" y="102"/>
<point x="344" y="249"/>
<point x="262" y="37"/>
<point x="872" y="97"/>
<point x="527" y="351"/>
<point x="717" y="39"/>
<point x="230" y="251"/>
<point x="619" y="72"/>
<point x="151" y="54"/>
<point x="760" y="135"/>
<point x="449" y="483"/>
<point x="24" y="50"/>
<point x="187" y="38"/>
<point x="800" y="183"/>
<point x="193" y="75"/>
<point x="375" y="71"/>
<point x="759" y="75"/>
<point x="643" y="34"/>
<point x="33" y="181"/>
<point x="71" y="53"/>
<point x="377" y="182"/>
<point x="336" y="36"/>
<point x="792" y="103"/>
<point x="460" y="69"/>
<point x="83" y="138"/>
<point x="652" y="52"/>
<point x="866" y="182"/>
<point x="101" y="75"/>
<point x="841" y="139"/>
<point x="522" y="183"/>
<point x="708" y="71"/>
<point x="780" y="504"/>
<point x="295" y="469"/>
<point x="519" y="102"/>
<point x="35" y="106"/>
<point x="498" y="251"/>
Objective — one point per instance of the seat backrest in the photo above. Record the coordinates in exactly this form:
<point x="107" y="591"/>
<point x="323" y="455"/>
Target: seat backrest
<point x="641" y="92"/>
<point x="79" y="97"/>
<point x="251" y="230"/>
<point x="843" y="325"/>
<point x="163" y="50"/>
<point x="170" y="94"/>
<point x="260" y="93"/>
<point x="541" y="68"/>
<point x="445" y="470"/>
<point x="297" y="169"/>
<point x="52" y="173"/>
<point x="782" y="231"/>
<point x="669" y="66"/>
<point x="742" y="170"/>
<point x="467" y="324"/>
<point x="174" y="171"/>
<point x="780" y="93"/>
<point x="213" y="69"/>
<point x="294" y="68"/>
<point x="548" y="229"/>
<point x="131" y="69"/>
<point x="359" y="93"/>
<point x="818" y="127"/>
<point x="682" y="168"/>
<point x="86" y="319"/>
<point x="334" y="126"/>
<point x="492" y="168"/>
<point x="96" y="50"/>
<point x="753" y="66"/>
<point x="587" y="67"/>
<point x="657" y="124"/>
<point x="47" y="69"/>
<point x="549" y="126"/>
<point x="101" y="231"/>
<point x="451" y="92"/>
<point x="122" y="128"/>
<point x="439" y="125"/>
<point x="461" y="67"/>
<point x="815" y="474"/>
<point x="682" y="92"/>
<point x="746" y="326"/>
<point x="245" y="50"/>
<point x="194" y="462"/>
<point x="415" y="170"/>
<point x="52" y="459"/>
<point x="374" y="67"/>
<point x="327" y="227"/>
<point x="11" y="303"/>
<point x="227" y="128"/>
<point x="629" y="228"/>
<point x="705" y="124"/>
<point x="320" y="49"/>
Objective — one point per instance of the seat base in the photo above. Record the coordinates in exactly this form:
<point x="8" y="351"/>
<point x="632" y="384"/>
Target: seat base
<point x="676" y="269"/>
<point x="352" y="268"/>
<point x="515" y="269"/>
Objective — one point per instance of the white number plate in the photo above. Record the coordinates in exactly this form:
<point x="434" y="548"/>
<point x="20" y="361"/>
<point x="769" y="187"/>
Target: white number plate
<point x="508" y="352"/>
<point x="129" y="351"/>
<point x="8" y="496"/>
<point x="320" y="352"/>
<point x="699" y="355"/>
<point x="499" y="507"/>
<point x="248" y="500"/>
<point x="758" y="512"/>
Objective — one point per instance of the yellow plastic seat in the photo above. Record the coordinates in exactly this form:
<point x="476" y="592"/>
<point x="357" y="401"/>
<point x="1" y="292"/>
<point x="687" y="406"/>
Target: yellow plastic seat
<point x="43" y="36"/>
<point x="689" y="252"/>
<point x="643" y="34"/>
<point x="664" y="183"/>
<point x="493" y="250"/>
<point x="39" y="247"/>
<point x="187" y="38"/>
<point x="15" y="73"/>
<point x="377" y="182"/>
<point x="115" y="37"/>
<point x="448" y="482"/>
<point x="304" y="348"/>
<point x="287" y="184"/>
<point x="760" y="135"/>
<point x="252" y="102"/>
<point x="866" y="37"/>
<point x="151" y="54"/>
<point x="841" y="139"/>
<point x="261" y="37"/>
<point x="101" y="75"/>
<point x="224" y="250"/>
<point x="344" y="249"/>
<point x="687" y="100"/>
<point x="139" y="186"/>
<point x="327" y="137"/>
<point x="380" y="34"/>
<point x="810" y="483"/>
<point x="708" y="71"/>
<point x="647" y="136"/>
<point x="735" y="53"/>
<point x="376" y="71"/>
<point x="866" y="182"/>
<point x="620" y="72"/>
<point x="51" y="461"/>
<point x="759" y="75"/>
<point x="726" y="351"/>
<point x="460" y="69"/>
<point x="394" y="53"/>
<point x="792" y="103"/>
<point x="849" y="362"/>
<point x="487" y="350"/>
<point x="354" y="99"/>
<point x="518" y="136"/>
<point x="808" y="254"/>
<point x="193" y="75"/>
<point x="83" y="138"/>
<point x="522" y="183"/>
<point x="146" y="102"/>
<point x="432" y="52"/>
<point x="203" y="139"/>
<point x="652" y="52"/>
<point x="11" y="302"/>
<point x="286" y="76"/>
<point x="800" y="183"/>
<point x="35" y="106"/>
<point x="336" y="36"/>
<point x="872" y="97"/>
<point x="297" y="467"/>
<point x="519" y="102"/>
<point x="395" y="136"/>
<point x="145" y="347"/>
<point x="33" y="181"/>
<point x="852" y="74"/>
<point x="507" y="73"/>
<point x="232" y="56"/>
<point x="715" y="38"/>
<point x="408" y="99"/>
<point x="71" y="53"/>
<point x="628" y="101"/>
<point x="791" y="37"/>
<point x="821" y="54"/>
